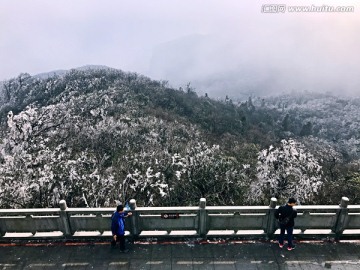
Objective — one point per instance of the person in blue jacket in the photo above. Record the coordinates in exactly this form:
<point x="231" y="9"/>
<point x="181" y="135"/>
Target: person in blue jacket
<point x="118" y="227"/>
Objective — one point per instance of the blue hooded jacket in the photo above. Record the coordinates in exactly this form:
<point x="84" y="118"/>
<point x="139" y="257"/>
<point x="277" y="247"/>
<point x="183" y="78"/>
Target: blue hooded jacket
<point x="118" y="223"/>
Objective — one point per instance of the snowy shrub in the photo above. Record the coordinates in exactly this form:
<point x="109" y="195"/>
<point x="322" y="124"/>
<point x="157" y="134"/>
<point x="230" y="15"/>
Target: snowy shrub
<point x="286" y="171"/>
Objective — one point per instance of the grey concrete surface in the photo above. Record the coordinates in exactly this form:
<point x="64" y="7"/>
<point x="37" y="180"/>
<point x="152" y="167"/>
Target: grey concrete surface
<point x="182" y="255"/>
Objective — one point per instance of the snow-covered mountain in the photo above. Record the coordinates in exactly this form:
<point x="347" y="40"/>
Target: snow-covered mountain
<point x="95" y="135"/>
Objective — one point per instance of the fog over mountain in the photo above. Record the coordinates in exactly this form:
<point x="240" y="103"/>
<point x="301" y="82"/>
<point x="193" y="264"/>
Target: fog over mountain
<point x="239" y="66"/>
<point x="221" y="47"/>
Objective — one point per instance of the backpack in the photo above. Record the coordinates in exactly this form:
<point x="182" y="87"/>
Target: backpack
<point x="285" y="220"/>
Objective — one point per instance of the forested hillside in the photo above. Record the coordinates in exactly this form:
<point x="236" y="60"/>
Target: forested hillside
<point x="97" y="136"/>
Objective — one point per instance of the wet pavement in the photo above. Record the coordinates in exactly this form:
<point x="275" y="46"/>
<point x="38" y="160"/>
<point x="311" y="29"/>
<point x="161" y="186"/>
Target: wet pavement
<point x="182" y="255"/>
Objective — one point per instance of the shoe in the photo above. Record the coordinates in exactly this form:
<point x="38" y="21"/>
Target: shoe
<point x="124" y="251"/>
<point x="290" y="248"/>
<point x="281" y="245"/>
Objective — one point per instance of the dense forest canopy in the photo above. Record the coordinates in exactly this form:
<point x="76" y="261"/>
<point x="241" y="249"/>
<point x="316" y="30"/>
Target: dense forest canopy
<point x="94" y="137"/>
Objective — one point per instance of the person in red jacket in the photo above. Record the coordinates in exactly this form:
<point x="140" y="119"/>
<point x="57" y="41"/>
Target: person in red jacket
<point x="285" y="215"/>
<point x="118" y="227"/>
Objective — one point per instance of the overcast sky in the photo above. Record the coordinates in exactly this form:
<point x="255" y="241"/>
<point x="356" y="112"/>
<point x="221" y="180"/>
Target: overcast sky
<point x="220" y="46"/>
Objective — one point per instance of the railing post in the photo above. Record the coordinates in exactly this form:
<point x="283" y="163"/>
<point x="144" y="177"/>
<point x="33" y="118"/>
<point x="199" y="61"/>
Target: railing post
<point x="30" y="224"/>
<point x="2" y="228"/>
<point x="202" y="218"/>
<point x="134" y="219"/>
<point x="342" y="217"/>
<point x="65" y="219"/>
<point x="271" y="225"/>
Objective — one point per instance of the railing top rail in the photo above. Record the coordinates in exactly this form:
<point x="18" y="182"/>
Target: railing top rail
<point x="91" y="210"/>
<point x="317" y="207"/>
<point x="173" y="208"/>
<point x="168" y="209"/>
<point x="29" y="211"/>
<point x="236" y="208"/>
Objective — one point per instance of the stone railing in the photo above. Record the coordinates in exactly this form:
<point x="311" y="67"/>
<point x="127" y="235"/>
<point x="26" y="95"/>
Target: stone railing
<point x="315" y="221"/>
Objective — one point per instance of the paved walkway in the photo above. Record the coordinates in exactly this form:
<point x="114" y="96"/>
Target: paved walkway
<point x="212" y="255"/>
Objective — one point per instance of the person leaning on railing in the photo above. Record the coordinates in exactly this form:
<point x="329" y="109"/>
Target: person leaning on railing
<point x="118" y="227"/>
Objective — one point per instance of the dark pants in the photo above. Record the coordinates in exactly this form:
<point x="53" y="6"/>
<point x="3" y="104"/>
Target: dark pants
<point x="121" y="240"/>
<point x="289" y="231"/>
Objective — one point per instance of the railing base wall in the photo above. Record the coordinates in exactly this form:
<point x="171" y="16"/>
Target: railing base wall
<point x="205" y="222"/>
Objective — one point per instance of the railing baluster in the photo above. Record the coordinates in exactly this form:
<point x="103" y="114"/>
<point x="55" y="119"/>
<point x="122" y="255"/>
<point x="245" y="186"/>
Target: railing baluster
<point x="341" y="218"/>
<point x="65" y="219"/>
<point x="202" y="230"/>
<point x="271" y="224"/>
<point x="135" y="231"/>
